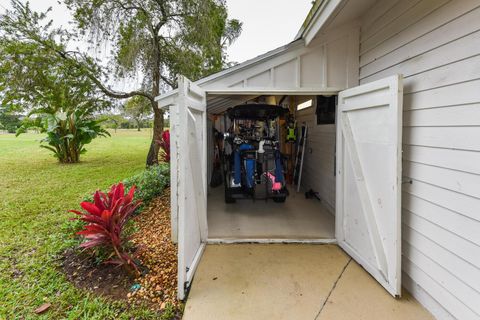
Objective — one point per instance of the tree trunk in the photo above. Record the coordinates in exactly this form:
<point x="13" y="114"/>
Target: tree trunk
<point x="152" y="157"/>
<point x="138" y="124"/>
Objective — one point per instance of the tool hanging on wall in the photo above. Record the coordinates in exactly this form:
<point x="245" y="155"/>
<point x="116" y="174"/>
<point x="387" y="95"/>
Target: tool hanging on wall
<point x="297" y="173"/>
<point x="291" y="129"/>
<point x="290" y="138"/>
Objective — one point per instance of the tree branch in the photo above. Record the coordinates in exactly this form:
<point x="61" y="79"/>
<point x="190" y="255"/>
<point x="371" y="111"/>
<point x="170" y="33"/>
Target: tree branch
<point x="119" y="95"/>
<point x="67" y="55"/>
<point x="167" y="81"/>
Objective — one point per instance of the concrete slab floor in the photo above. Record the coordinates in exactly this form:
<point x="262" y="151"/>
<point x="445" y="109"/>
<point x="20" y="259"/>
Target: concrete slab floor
<point x="260" y="219"/>
<point x="289" y="282"/>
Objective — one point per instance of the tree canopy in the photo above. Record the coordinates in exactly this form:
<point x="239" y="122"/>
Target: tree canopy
<point x="9" y="120"/>
<point x="35" y="81"/>
<point x="137" y="108"/>
<point x="160" y="38"/>
<point x="34" y="77"/>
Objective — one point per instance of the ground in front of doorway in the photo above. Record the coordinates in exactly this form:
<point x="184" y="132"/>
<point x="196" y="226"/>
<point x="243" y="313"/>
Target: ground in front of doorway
<point x="252" y="281"/>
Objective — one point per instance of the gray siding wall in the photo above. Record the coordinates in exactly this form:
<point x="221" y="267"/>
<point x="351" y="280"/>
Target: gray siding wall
<point x="318" y="166"/>
<point x="436" y="46"/>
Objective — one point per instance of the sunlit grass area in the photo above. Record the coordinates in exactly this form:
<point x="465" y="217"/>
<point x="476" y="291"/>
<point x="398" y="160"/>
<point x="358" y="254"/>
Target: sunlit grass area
<point x="36" y="193"/>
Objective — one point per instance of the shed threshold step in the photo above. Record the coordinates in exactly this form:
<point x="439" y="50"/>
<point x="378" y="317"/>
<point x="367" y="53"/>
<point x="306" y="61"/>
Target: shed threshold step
<point x="269" y="240"/>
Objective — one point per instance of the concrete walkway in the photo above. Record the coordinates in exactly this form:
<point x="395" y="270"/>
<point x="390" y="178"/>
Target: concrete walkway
<point x="290" y="282"/>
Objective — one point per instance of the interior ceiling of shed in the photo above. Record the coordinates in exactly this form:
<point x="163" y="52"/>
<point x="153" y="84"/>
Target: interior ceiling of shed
<point x="217" y="104"/>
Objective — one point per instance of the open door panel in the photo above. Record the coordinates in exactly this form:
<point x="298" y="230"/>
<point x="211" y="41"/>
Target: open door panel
<point x="368" y="196"/>
<point x="190" y="162"/>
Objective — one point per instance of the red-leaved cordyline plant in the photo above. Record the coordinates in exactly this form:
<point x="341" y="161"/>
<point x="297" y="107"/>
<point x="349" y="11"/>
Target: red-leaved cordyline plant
<point x="105" y="217"/>
<point x="165" y="145"/>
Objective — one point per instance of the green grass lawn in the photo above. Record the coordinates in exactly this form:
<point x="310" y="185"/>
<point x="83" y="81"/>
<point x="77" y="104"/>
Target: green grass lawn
<point x="36" y="193"/>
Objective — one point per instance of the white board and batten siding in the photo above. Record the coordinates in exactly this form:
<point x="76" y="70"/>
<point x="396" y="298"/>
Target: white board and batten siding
<point x="436" y="46"/>
<point x="319" y="160"/>
<point x="330" y="63"/>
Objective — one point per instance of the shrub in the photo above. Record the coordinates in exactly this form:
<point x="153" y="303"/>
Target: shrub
<point x="151" y="182"/>
<point x="105" y="220"/>
<point x="67" y="132"/>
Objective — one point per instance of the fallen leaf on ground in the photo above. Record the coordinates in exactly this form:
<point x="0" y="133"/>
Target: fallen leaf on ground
<point x="44" y="307"/>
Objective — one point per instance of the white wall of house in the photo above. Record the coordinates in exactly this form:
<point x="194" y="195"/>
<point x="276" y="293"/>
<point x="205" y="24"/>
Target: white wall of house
<point x="436" y="46"/>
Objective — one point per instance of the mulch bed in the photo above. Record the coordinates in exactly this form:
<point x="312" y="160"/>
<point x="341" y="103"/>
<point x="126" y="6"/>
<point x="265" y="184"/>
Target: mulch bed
<point x="157" y="253"/>
<point x="157" y="286"/>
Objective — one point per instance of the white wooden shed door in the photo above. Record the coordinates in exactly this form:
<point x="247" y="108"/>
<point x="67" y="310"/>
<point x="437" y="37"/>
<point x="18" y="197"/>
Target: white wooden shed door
<point x="368" y="214"/>
<point x="191" y="180"/>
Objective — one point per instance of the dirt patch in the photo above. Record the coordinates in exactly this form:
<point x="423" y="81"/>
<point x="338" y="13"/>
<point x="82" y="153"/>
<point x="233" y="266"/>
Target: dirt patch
<point x="102" y="279"/>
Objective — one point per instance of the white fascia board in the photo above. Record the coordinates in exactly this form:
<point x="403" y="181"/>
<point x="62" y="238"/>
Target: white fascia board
<point x="309" y="18"/>
<point x="275" y="91"/>
<point x="319" y="20"/>
<point x="167" y="99"/>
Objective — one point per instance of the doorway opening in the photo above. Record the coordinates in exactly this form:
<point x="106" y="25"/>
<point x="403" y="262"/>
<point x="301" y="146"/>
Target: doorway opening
<point x="307" y="214"/>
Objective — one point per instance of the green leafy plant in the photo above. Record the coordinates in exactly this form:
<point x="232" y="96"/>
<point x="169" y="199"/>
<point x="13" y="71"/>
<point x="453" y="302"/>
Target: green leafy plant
<point x="151" y="182"/>
<point x="67" y="132"/>
<point x="105" y="220"/>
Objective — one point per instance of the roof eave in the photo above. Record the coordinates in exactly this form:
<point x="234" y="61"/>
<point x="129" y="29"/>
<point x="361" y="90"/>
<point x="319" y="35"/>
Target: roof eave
<point x="318" y="18"/>
<point x="309" y="18"/>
